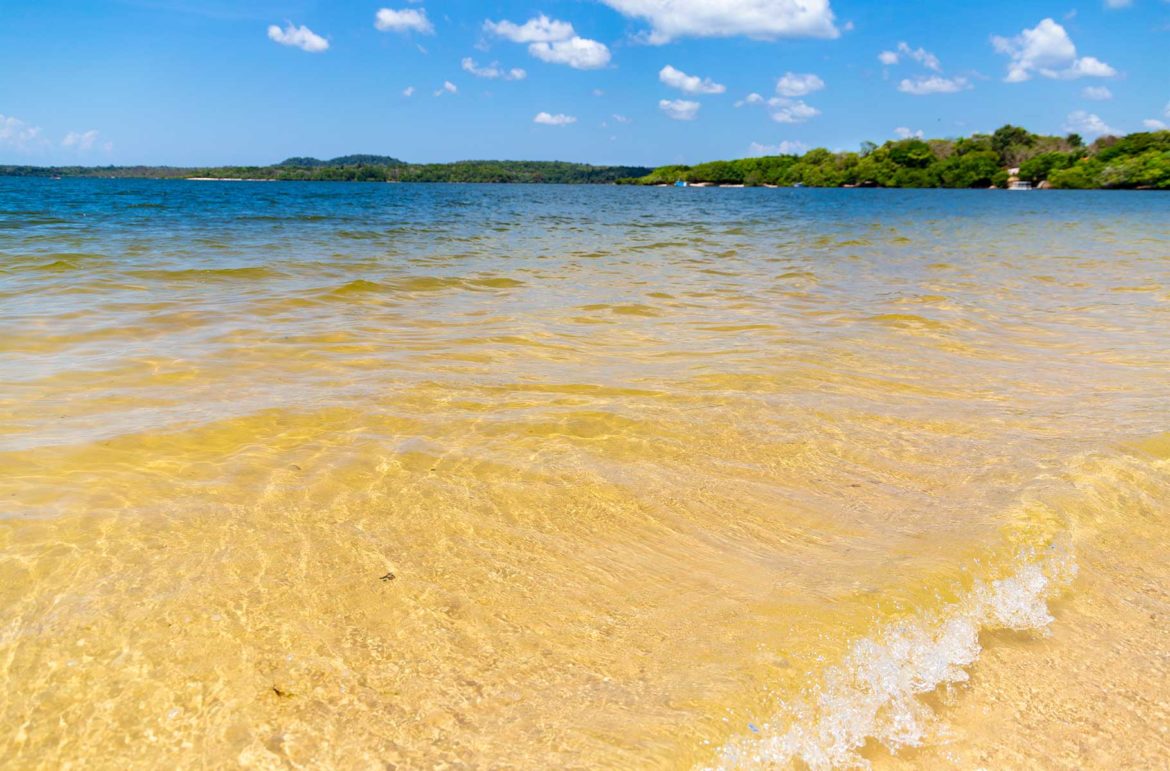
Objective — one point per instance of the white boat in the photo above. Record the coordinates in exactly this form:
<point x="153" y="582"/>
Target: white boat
<point x="1020" y="184"/>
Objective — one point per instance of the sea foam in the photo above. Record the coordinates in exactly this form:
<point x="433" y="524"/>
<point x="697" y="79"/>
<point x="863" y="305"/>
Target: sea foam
<point x="874" y="693"/>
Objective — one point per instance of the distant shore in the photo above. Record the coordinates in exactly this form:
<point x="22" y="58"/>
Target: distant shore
<point x="356" y="168"/>
<point x="1011" y="158"/>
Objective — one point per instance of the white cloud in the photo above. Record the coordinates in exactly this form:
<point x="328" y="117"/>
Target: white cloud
<point x="691" y="84"/>
<point x="540" y="29"/>
<point x="492" y="71"/>
<point x="922" y="56"/>
<point x="1154" y="125"/>
<point x="598" y="92"/>
<point x="935" y="84"/>
<point x="406" y="20"/>
<point x="679" y="109"/>
<point x="762" y="19"/>
<point x="794" y="84"/>
<point x="80" y="140"/>
<point x="1118" y="3"/>
<point x="1097" y="93"/>
<point x="17" y="134"/>
<point x="447" y="88"/>
<point x="1047" y="50"/>
<point x="1166" y="110"/>
<point x="752" y="98"/>
<point x="620" y="118"/>
<point x="783" y="148"/>
<point x="1089" y="67"/>
<point x="299" y="37"/>
<point x="1083" y="122"/>
<point x="560" y="119"/>
<point x="553" y="41"/>
<point x="577" y="52"/>
<point x="792" y="111"/>
<point x="408" y="91"/>
<point x="904" y="133"/>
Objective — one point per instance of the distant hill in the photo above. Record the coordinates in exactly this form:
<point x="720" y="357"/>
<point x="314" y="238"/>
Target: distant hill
<point x="345" y="160"/>
<point x="361" y="168"/>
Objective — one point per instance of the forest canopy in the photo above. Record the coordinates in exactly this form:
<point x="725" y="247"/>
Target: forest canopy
<point x="978" y="161"/>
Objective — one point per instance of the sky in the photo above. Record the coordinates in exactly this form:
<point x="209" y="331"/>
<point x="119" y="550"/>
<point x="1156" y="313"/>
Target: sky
<point x="646" y="82"/>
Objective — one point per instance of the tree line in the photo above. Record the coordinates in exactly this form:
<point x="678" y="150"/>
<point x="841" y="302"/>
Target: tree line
<point x="1135" y="161"/>
<point x="359" y="168"/>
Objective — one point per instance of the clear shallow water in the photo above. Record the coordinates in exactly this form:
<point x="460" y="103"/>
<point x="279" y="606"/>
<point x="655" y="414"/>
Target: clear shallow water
<point x="666" y="478"/>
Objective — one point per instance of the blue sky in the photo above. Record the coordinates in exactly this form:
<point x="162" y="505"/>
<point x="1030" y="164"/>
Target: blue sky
<point x="191" y="82"/>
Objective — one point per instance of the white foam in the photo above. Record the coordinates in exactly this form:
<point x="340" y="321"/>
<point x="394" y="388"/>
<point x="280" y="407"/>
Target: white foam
<point x="874" y="692"/>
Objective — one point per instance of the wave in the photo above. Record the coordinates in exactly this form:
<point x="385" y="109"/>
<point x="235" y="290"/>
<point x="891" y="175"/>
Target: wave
<point x="206" y="274"/>
<point x="874" y="693"/>
<point x="413" y="284"/>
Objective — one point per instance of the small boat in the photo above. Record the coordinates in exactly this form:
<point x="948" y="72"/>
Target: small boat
<point x="1020" y="184"/>
<point x="799" y="184"/>
<point x="681" y="183"/>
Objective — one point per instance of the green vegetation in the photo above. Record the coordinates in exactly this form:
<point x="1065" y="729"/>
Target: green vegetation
<point x="979" y="161"/>
<point x="1140" y="161"/>
<point x="360" y="168"/>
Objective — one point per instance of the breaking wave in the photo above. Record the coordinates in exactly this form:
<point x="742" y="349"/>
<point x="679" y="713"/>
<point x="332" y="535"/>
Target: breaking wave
<point x="874" y="693"/>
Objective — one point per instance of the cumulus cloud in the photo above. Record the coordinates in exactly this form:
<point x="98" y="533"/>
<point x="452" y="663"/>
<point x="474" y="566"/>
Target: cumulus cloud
<point x="691" y="84"/>
<point x="762" y="19"/>
<point x="1154" y="125"/>
<point x="1082" y="122"/>
<point x="620" y="118"/>
<point x="920" y="55"/>
<point x="783" y="148"/>
<point x="1047" y="50"/>
<point x="1096" y="93"/>
<point x="406" y="20"/>
<point x="408" y="91"/>
<point x="553" y="41"/>
<point x="492" y="70"/>
<point x="447" y="88"/>
<point x="299" y="37"/>
<point x="904" y="133"/>
<point x="80" y="140"/>
<point x="679" y="109"/>
<point x="921" y="85"/>
<point x="560" y="119"/>
<point x="577" y="52"/>
<point x="16" y="134"/>
<point x="752" y="98"/>
<point x="540" y="29"/>
<point x="792" y="111"/>
<point x="935" y="84"/>
<point x="794" y="84"/>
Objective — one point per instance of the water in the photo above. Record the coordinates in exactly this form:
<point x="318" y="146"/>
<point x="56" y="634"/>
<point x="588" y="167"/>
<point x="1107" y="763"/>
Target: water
<point x="663" y="478"/>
